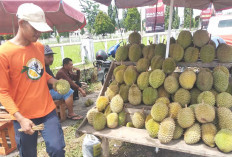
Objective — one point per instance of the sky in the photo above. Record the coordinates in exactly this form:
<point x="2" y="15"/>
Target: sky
<point x="76" y="4"/>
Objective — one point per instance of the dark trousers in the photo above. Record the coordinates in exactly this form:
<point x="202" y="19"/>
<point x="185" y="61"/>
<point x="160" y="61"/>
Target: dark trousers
<point x="52" y="134"/>
<point x="75" y="94"/>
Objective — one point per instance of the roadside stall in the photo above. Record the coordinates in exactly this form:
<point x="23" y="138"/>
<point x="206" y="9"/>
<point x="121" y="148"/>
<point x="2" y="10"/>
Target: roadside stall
<point x="130" y="71"/>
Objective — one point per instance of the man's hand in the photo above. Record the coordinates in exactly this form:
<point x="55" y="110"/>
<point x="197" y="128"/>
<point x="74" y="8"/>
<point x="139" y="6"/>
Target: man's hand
<point x="26" y="124"/>
<point x="82" y="92"/>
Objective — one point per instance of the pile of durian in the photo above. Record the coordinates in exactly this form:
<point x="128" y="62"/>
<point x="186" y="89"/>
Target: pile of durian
<point x="194" y="104"/>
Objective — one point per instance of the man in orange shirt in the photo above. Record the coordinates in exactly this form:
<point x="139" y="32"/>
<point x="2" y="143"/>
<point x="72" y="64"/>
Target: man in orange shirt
<point x="23" y="86"/>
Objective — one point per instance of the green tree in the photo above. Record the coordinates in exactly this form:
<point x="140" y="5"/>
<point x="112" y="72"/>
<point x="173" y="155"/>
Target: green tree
<point x="132" y="20"/>
<point x="82" y="31"/>
<point x="188" y="15"/>
<point x="91" y="10"/>
<point x="175" y="18"/>
<point x="103" y="24"/>
<point x="112" y="14"/>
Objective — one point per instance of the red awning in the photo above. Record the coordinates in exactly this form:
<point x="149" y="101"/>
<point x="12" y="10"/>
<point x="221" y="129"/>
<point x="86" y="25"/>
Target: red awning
<point x="57" y="13"/>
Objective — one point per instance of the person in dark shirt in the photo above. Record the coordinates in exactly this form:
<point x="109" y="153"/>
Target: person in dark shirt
<point x="68" y="98"/>
<point x="67" y="73"/>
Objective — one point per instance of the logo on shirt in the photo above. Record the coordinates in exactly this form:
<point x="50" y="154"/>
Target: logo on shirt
<point x="34" y="69"/>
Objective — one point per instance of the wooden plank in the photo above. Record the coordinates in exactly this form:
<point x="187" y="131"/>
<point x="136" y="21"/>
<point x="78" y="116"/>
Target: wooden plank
<point x="204" y="65"/>
<point x="141" y="137"/>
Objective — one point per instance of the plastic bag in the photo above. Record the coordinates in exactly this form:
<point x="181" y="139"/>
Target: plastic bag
<point x="91" y="146"/>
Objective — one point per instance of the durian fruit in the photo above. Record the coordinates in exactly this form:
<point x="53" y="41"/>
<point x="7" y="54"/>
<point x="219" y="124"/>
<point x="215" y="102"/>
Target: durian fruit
<point x="111" y="91"/>
<point x="149" y="96"/>
<point x="193" y="134"/>
<point x="135" y="95"/>
<point x="224" y="99"/>
<point x="116" y="104"/>
<point x="148" y="118"/>
<point x="211" y="42"/>
<point x="162" y="92"/>
<point x="129" y="124"/>
<point x="208" y="132"/>
<point x="122" y="118"/>
<point x="206" y="97"/>
<point x="88" y="102"/>
<point x="191" y="55"/>
<point x="171" y="84"/>
<point x="222" y="68"/>
<point x="156" y="62"/>
<point x="172" y="40"/>
<point x="223" y="140"/>
<point x="193" y="106"/>
<point x="182" y="96"/>
<point x="135" y="52"/>
<point x="166" y="130"/>
<point x="164" y="100"/>
<point x="169" y="65"/>
<point x="204" y="113"/>
<point x="204" y="80"/>
<point x="90" y="115"/>
<point x="159" y="111"/>
<point x="152" y="128"/>
<point x="149" y="51"/>
<point x="156" y="78"/>
<point x="119" y="76"/>
<point x="215" y="93"/>
<point x="160" y="50"/>
<point x="224" y="118"/>
<point x="207" y="53"/>
<point x="62" y="86"/>
<point x="224" y="53"/>
<point x="229" y="89"/>
<point x="99" y="121"/>
<point x="185" y="117"/>
<point x="138" y="120"/>
<point x="195" y="92"/>
<point x="178" y="132"/>
<point x="130" y="75"/>
<point x="123" y="92"/>
<point x="134" y="38"/>
<point x="174" y="108"/>
<point x="122" y="53"/>
<point x="142" y="65"/>
<point x="176" y="52"/>
<point x="101" y="103"/>
<point x="120" y="67"/>
<point x="221" y="81"/>
<point x="112" y="120"/>
<point x="200" y="38"/>
<point x="185" y="38"/>
<point x="143" y="80"/>
<point x="107" y="111"/>
<point x="187" y="79"/>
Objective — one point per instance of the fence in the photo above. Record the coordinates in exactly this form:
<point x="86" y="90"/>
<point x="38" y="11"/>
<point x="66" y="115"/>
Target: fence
<point x="156" y="38"/>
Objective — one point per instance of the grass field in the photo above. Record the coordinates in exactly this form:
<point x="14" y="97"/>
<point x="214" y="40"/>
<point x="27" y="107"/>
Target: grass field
<point x="74" y="51"/>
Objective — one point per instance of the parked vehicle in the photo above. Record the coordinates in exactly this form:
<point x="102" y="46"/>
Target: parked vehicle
<point x="102" y="63"/>
<point x="221" y="26"/>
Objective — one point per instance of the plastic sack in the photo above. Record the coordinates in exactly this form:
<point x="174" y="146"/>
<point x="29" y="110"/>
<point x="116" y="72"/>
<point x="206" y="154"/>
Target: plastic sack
<point x="91" y="146"/>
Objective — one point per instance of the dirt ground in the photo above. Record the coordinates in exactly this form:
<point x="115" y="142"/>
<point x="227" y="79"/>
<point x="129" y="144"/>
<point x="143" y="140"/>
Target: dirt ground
<point x="117" y="148"/>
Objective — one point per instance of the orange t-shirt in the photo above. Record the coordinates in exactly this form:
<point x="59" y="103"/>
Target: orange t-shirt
<point x="23" y="80"/>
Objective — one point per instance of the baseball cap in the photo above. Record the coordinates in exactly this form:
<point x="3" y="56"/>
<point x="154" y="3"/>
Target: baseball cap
<point x="34" y="15"/>
<point x="48" y="50"/>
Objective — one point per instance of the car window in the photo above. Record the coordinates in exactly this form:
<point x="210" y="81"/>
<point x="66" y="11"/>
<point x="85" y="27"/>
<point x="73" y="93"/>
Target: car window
<point x="225" y="23"/>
